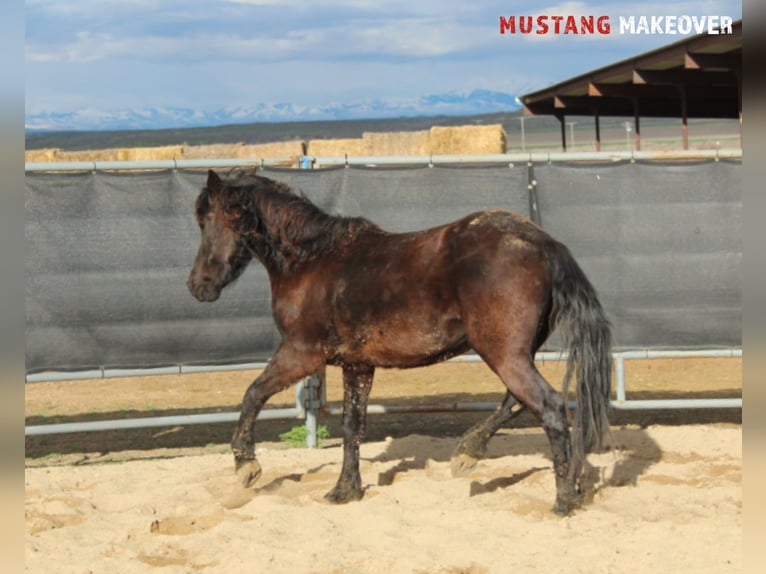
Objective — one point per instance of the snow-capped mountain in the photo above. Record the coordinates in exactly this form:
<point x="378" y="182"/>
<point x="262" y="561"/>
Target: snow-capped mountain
<point x="452" y="103"/>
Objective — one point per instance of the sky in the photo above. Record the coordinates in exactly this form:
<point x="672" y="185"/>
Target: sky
<point x="106" y="55"/>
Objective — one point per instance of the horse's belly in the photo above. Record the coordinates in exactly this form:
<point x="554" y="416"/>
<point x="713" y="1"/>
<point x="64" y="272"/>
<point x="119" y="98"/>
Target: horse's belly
<point x="405" y="343"/>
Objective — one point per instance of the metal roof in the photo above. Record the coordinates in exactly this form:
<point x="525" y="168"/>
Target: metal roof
<point x="698" y="77"/>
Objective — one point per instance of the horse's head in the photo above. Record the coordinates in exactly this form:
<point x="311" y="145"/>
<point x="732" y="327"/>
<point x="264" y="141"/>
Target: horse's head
<point x="223" y="252"/>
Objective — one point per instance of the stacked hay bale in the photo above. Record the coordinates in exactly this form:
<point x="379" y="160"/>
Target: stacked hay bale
<point x="211" y="151"/>
<point x="337" y="147"/>
<point x="150" y="153"/>
<point x="41" y="155"/>
<point x="286" y="149"/>
<point x="436" y="141"/>
<point x="458" y="140"/>
<point x="372" y="144"/>
<point x="396" y="143"/>
<point x="466" y="140"/>
<point x="111" y="154"/>
<point x="88" y="155"/>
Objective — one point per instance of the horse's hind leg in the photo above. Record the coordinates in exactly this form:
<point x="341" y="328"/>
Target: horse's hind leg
<point x="523" y="380"/>
<point x="357" y="383"/>
<point x="286" y="367"/>
<point x="473" y="444"/>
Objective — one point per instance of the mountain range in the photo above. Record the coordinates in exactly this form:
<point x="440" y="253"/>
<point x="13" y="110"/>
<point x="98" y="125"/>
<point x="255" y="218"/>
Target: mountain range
<point x="448" y="104"/>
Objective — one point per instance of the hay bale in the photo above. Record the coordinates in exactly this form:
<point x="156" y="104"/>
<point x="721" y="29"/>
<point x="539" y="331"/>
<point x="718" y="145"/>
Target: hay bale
<point x="438" y="140"/>
<point x="396" y="143"/>
<point x="287" y="149"/>
<point x="467" y="139"/>
<point x="150" y="153"/>
<point x="459" y="140"/>
<point x="212" y="151"/>
<point x="88" y="155"/>
<point x="337" y="147"/>
<point x="41" y="155"/>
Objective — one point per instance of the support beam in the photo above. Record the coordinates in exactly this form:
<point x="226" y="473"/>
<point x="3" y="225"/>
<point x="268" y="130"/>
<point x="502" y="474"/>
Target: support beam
<point x="725" y="62"/>
<point x="684" y="117"/>
<point x="596" y="90"/>
<point x="739" y="104"/>
<point x="637" y="123"/>
<point x="561" y="118"/>
<point x="597" y="123"/>
<point x="683" y="76"/>
<point x="582" y="105"/>
<point x="648" y="91"/>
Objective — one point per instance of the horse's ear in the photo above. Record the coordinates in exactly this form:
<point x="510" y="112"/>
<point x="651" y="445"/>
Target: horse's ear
<point x="213" y="181"/>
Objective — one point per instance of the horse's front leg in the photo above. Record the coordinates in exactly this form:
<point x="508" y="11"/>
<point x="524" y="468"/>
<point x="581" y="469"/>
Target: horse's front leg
<point x="285" y="368"/>
<point x="357" y="382"/>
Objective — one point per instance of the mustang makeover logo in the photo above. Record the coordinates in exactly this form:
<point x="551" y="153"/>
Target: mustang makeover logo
<point x="545" y="24"/>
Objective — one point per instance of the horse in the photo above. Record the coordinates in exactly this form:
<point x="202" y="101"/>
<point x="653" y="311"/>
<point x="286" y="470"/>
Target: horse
<point x="347" y="293"/>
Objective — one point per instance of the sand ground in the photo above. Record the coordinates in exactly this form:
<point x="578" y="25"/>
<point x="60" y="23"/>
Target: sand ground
<point x="667" y="498"/>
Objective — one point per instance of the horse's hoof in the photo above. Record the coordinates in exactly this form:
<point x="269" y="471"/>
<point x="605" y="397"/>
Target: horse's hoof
<point x="463" y="464"/>
<point x="342" y="495"/>
<point x="564" y="507"/>
<point x="248" y="471"/>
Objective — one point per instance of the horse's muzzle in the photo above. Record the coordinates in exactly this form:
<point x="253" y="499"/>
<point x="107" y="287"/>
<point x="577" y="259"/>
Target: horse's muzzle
<point x="204" y="291"/>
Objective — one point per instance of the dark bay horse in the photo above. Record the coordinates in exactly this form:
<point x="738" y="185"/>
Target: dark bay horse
<point x="345" y="292"/>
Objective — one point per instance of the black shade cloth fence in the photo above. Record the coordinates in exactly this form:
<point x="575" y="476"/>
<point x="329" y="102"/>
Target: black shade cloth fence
<point x="108" y="253"/>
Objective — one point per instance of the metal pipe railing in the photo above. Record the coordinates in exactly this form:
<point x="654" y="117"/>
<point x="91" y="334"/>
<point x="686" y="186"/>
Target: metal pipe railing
<point x="155" y="164"/>
<point x="370" y="161"/>
<point x="111" y="373"/>
<point x="297" y="412"/>
<point x="308" y="405"/>
<point x="148" y="422"/>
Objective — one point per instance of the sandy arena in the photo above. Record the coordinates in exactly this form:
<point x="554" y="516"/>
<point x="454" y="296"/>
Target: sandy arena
<point x="668" y="498"/>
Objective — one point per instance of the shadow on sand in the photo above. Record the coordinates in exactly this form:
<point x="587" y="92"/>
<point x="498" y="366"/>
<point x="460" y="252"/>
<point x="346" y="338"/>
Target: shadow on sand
<point x="635" y="451"/>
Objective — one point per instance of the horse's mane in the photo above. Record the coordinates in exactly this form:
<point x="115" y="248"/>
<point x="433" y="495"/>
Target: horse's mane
<point x="284" y="227"/>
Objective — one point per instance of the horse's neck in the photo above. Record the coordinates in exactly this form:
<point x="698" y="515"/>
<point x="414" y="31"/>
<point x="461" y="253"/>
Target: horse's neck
<point x="293" y="231"/>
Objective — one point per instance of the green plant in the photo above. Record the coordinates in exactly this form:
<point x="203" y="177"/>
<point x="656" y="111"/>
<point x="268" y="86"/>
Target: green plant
<point x="296" y="436"/>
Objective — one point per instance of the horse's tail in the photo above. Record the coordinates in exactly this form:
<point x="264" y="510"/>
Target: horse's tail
<point x="587" y="337"/>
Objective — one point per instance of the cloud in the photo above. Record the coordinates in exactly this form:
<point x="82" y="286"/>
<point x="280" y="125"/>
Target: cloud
<point x="358" y="37"/>
<point x="93" y="53"/>
<point x="87" y="47"/>
<point x="92" y="30"/>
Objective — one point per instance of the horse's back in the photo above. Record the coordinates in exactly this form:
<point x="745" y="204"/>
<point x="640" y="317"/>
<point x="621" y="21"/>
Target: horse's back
<point x="493" y="224"/>
<point x="384" y="272"/>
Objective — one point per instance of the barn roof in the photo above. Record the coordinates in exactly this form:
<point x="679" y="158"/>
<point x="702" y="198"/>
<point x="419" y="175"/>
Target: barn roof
<point x="698" y="77"/>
